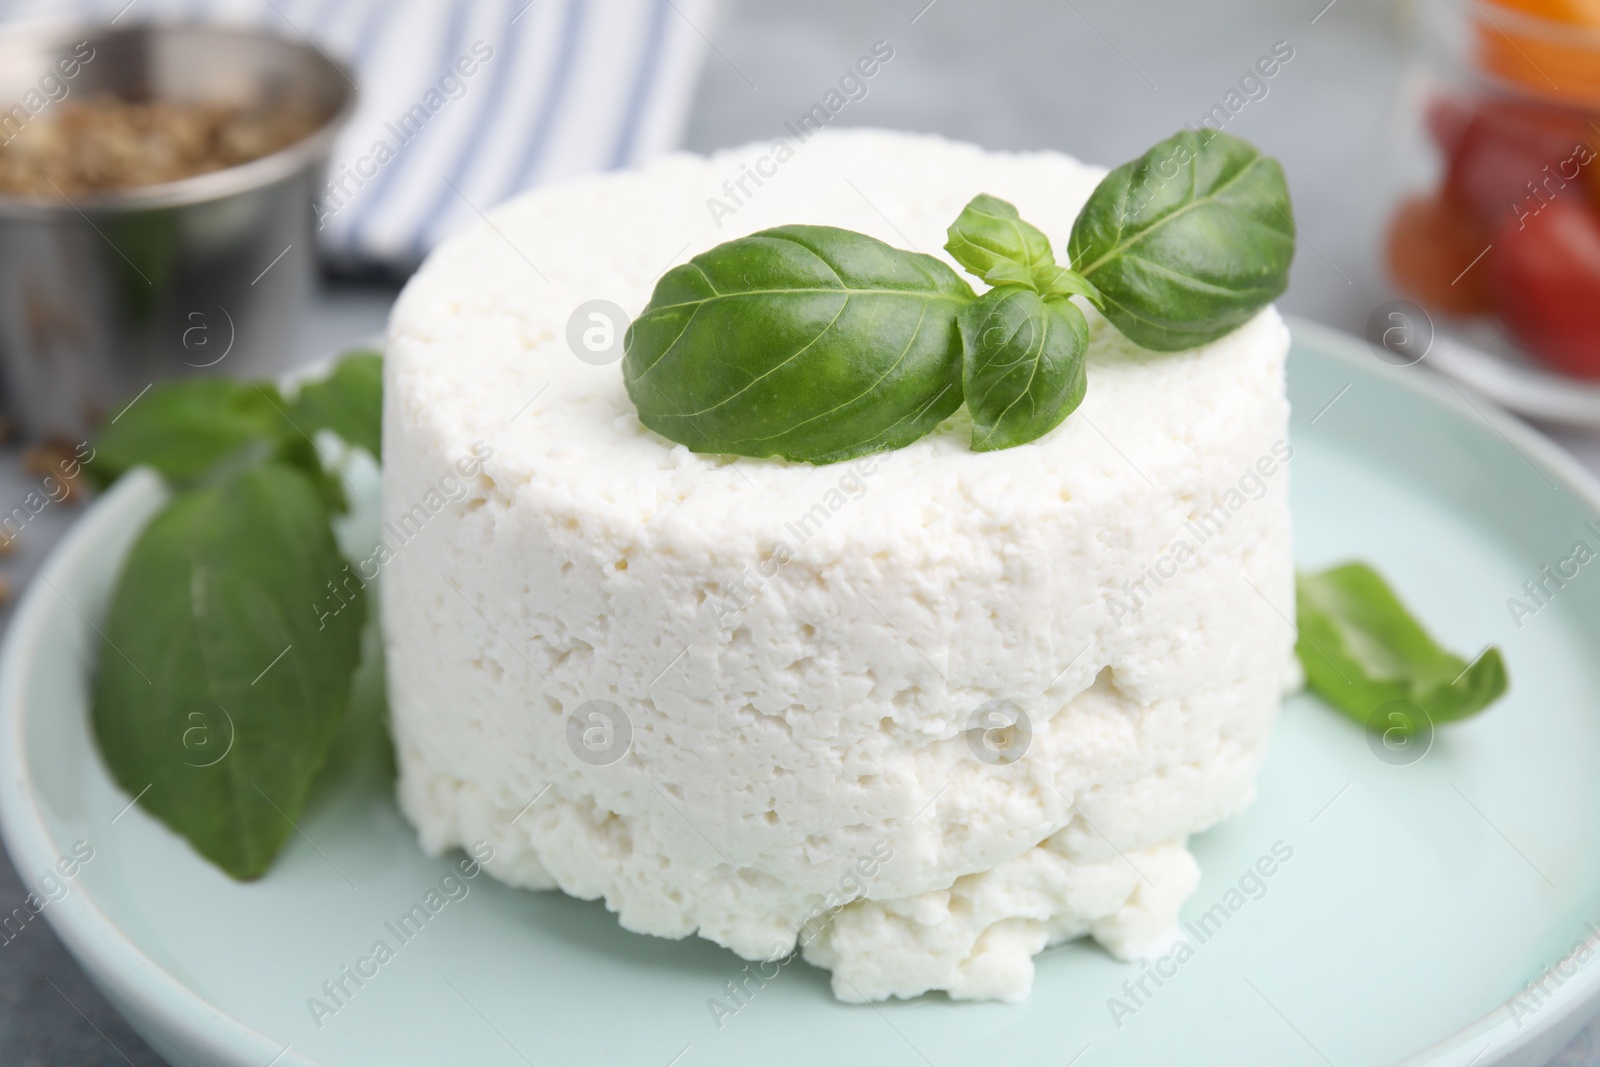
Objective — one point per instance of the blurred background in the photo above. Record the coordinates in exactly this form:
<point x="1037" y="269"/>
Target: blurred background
<point x="1373" y="107"/>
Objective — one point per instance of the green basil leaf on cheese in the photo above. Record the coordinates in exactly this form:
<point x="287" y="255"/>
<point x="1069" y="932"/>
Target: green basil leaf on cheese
<point x="349" y="401"/>
<point x="226" y="663"/>
<point x="1361" y="649"/>
<point x="1022" y="365"/>
<point x="995" y="243"/>
<point x="803" y="342"/>
<point x="184" y="429"/>
<point x="989" y="235"/>
<point x="1188" y="241"/>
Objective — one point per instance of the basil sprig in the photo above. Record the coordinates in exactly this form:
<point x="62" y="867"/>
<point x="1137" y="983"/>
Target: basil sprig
<point x="1188" y="241"/>
<point x="216" y="589"/>
<point x="1361" y="649"/>
<point x="221" y="681"/>
<point x="819" y="344"/>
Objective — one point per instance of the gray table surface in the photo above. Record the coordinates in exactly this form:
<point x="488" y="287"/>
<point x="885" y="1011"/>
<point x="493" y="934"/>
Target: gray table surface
<point x="1094" y="77"/>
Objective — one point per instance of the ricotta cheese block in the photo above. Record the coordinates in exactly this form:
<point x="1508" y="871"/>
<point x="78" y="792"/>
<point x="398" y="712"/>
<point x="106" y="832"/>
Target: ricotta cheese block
<point x="918" y="715"/>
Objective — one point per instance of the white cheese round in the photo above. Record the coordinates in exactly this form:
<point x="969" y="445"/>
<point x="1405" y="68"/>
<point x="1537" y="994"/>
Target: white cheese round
<point x="748" y="698"/>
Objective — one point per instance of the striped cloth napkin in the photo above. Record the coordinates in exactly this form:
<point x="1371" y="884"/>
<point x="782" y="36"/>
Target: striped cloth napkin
<point x="471" y="100"/>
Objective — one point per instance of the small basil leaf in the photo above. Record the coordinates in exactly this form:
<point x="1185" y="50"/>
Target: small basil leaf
<point x="1053" y="281"/>
<point x="1008" y="273"/>
<point x="1188" y="241"/>
<point x="183" y="429"/>
<point x="1361" y="648"/>
<point x="221" y="681"/>
<point x="349" y="401"/>
<point x="989" y="234"/>
<point x="805" y="342"/>
<point x="1022" y="365"/>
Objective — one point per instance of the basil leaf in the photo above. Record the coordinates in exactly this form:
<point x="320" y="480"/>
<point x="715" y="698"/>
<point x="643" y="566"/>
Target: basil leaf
<point x="301" y="454"/>
<point x="349" y="401"/>
<point x="805" y="342"/>
<point x="1022" y="365"/>
<point x="989" y="235"/>
<point x="183" y="429"/>
<point x="1059" y="282"/>
<point x="1361" y="648"/>
<point x="992" y="240"/>
<point x="1008" y="273"/>
<point x="1188" y="241"/>
<point x="222" y="682"/>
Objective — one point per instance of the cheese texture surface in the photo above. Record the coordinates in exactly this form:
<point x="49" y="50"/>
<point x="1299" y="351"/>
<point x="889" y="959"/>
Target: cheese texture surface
<point x="918" y="715"/>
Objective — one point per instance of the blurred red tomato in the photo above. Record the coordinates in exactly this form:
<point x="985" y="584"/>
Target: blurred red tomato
<point x="1505" y="145"/>
<point x="1544" y="273"/>
<point x="1447" y="118"/>
<point x="1431" y="242"/>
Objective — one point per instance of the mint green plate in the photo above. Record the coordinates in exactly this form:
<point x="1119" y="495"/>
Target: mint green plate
<point x="1421" y="894"/>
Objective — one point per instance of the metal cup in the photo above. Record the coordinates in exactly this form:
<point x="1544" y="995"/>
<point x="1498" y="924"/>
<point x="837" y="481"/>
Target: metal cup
<point x="103" y="295"/>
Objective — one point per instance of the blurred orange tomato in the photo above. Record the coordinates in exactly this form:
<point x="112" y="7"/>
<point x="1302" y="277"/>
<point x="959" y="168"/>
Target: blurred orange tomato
<point x="1568" y="12"/>
<point x="1548" y="47"/>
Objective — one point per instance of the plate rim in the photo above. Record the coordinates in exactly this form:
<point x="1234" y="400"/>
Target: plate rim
<point x="168" y="1014"/>
<point x="1531" y="392"/>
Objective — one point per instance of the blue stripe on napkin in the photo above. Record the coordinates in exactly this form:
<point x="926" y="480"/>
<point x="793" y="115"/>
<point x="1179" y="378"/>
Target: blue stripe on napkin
<point x="519" y="118"/>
